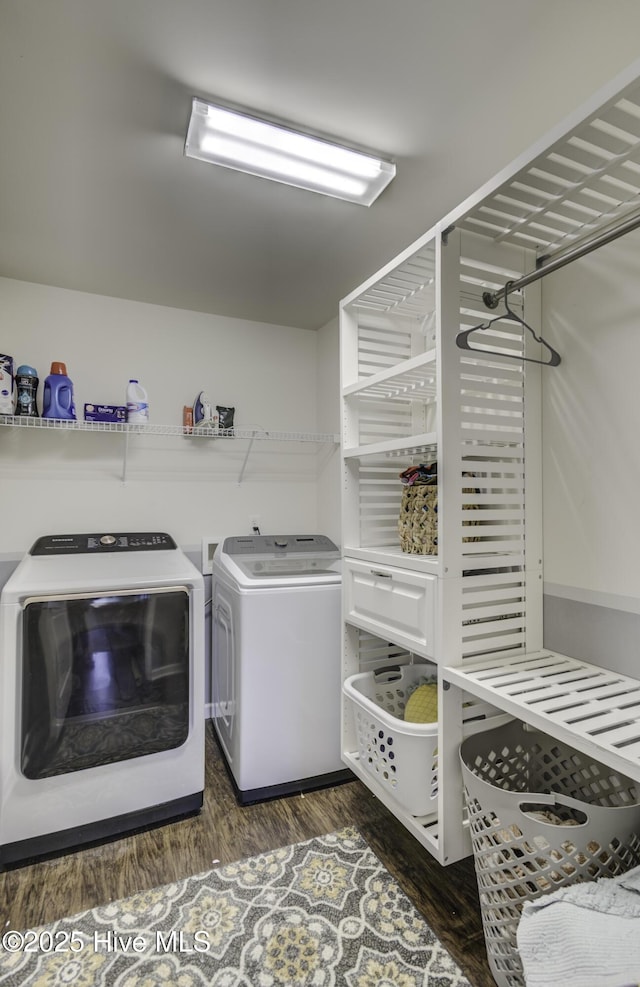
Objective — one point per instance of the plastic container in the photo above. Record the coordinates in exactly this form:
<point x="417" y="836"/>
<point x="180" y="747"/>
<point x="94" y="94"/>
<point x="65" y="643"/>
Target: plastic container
<point x="137" y="403"/>
<point x="26" y="391"/>
<point x="542" y="815"/>
<point x="57" y="401"/>
<point x="402" y="757"/>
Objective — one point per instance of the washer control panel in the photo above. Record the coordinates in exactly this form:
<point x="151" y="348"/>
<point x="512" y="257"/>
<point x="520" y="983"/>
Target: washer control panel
<point x="138" y="541"/>
<point x="279" y="545"/>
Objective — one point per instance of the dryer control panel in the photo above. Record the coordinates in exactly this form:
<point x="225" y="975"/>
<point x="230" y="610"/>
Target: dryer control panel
<point x="138" y="541"/>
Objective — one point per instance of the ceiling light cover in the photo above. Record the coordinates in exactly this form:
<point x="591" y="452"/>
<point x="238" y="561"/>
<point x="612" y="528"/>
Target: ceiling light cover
<point x="245" y="143"/>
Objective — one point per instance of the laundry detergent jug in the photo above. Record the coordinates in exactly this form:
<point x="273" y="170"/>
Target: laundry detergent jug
<point x="137" y="403"/>
<point x="57" y="401"/>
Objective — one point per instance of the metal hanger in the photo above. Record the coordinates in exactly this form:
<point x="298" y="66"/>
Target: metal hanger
<point x="462" y="339"/>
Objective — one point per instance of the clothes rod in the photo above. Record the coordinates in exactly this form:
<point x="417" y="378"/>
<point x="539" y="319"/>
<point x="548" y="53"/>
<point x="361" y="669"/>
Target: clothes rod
<point x="492" y="298"/>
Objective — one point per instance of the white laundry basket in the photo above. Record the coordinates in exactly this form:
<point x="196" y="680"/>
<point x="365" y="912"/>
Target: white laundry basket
<point x="402" y="757"/>
<point x="542" y="815"/>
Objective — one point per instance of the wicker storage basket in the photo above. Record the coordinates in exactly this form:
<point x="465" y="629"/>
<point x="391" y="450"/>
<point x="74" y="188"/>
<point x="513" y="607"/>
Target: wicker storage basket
<point x="542" y="815"/>
<point x="418" y="521"/>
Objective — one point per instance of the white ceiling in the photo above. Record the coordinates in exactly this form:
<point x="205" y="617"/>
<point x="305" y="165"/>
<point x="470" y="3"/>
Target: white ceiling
<point x="96" y="195"/>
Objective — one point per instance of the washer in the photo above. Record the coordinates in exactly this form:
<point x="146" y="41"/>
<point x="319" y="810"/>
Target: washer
<point x="102" y="690"/>
<point x="276" y="660"/>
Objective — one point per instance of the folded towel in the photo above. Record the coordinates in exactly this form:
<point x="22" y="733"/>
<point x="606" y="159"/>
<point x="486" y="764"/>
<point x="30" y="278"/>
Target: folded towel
<point x="584" y="935"/>
<point x="630" y="880"/>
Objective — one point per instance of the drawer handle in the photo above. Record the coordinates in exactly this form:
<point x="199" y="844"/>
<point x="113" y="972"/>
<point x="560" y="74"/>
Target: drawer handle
<point x="382" y="575"/>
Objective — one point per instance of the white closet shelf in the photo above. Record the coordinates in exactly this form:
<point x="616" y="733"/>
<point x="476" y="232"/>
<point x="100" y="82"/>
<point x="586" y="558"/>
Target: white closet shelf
<point x="405" y="288"/>
<point x="588" y="707"/>
<point x="123" y="428"/>
<point x="414" y="378"/>
<point x="393" y="555"/>
<point x="424" y="828"/>
<point x="583" y="181"/>
<point x="412" y="445"/>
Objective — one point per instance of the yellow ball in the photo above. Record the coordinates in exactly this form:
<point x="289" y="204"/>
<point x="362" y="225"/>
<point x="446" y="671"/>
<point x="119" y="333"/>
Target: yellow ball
<point x="422" y="704"/>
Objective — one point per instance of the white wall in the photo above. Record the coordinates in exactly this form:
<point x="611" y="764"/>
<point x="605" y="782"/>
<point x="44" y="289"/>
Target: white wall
<point x="72" y="481"/>
<point x="591" y="428"/>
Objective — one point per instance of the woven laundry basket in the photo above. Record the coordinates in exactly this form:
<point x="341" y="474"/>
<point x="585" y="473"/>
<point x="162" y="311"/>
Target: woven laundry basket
<point x="542" y="815"/>
<point x="418" y="520"/>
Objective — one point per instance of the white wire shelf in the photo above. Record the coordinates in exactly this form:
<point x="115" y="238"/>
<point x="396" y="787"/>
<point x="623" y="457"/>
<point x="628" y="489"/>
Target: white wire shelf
<point x="244" y="432"/>
<point x="249" y="432"/>
<point x="590" y="708"/>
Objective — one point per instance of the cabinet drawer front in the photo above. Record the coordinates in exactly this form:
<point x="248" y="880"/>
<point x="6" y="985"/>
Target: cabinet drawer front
<point x="393" y="603"/>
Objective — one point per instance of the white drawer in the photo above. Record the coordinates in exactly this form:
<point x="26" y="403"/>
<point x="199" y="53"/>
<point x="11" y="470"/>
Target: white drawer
<point x="392" y="603"/>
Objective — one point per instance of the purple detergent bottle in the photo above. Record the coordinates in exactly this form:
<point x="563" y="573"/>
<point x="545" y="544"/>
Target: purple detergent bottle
<point x="57" y="401"/>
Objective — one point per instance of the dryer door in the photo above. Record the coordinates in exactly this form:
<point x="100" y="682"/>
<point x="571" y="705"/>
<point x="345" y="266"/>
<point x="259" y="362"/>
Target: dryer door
<point x="104" y="678"/>
<point x="223" y="682"/>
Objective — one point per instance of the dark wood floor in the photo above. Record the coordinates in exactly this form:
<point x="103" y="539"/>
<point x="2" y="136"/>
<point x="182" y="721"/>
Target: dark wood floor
<point x="41" y="892"/>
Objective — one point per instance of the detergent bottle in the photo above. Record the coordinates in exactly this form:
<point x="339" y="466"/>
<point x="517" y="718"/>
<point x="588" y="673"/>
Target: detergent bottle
<point x="26" y="391"/>
<point x="137" y="403"/>
<point x="57" y="401"/>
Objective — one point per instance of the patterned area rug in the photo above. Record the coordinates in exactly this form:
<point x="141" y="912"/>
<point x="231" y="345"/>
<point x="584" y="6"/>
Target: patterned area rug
<point x="324" y="913"/>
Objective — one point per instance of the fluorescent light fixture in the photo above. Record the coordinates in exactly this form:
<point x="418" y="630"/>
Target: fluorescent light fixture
<point x="245" y="143"/>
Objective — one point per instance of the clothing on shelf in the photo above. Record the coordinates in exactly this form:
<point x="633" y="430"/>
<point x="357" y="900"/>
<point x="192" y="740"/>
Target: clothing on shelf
<point x="423" y="474"/>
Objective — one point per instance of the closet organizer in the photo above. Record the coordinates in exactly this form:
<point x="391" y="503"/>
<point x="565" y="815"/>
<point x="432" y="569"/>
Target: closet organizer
<point x="442" y="355"/>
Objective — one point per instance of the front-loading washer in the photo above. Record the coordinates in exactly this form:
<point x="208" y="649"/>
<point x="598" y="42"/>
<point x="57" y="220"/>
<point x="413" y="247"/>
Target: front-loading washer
<point x="276" y="663"/>
<point x="102" y="690"/>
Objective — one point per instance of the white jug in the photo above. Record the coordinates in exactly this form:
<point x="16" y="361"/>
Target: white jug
<point x="137" y="403"/>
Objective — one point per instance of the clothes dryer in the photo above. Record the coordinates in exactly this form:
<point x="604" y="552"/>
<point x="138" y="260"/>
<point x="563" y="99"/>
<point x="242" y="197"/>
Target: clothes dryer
<point x="101" y="690"/>
<point x="276" y="663"/>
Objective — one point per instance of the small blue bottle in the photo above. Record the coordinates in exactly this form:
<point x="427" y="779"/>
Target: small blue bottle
<point x="57" y="401"/>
